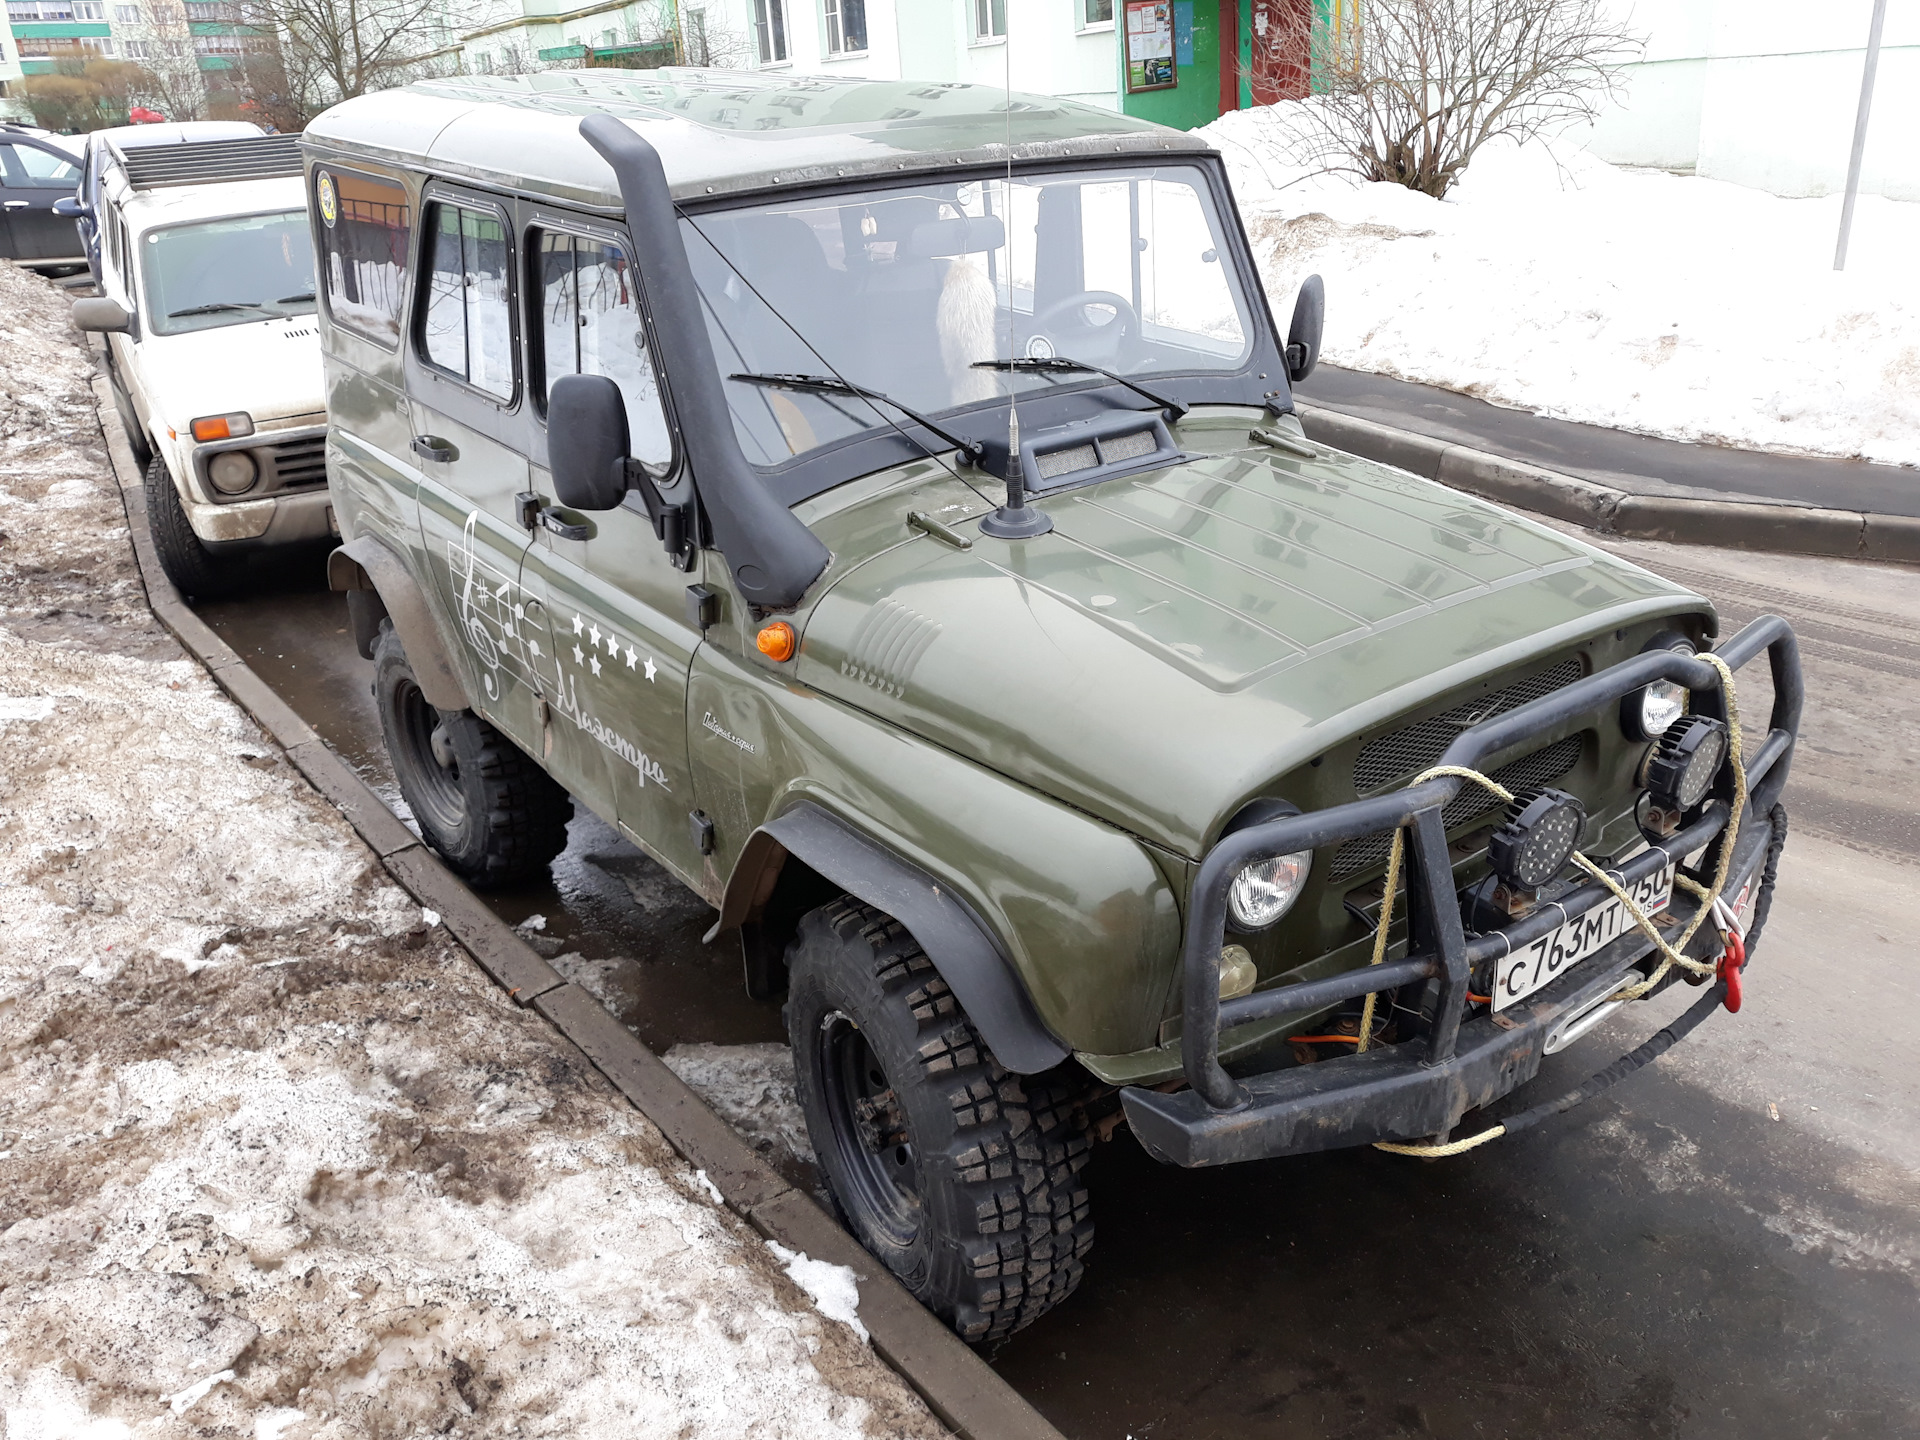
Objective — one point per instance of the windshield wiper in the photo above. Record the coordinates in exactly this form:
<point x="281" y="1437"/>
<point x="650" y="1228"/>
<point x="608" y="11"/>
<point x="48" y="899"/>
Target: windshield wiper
<point x="214" y="307"/>
<point x="827" y="385"/>
<point x="1175" y="410"/>
<point x="294" y="299"/>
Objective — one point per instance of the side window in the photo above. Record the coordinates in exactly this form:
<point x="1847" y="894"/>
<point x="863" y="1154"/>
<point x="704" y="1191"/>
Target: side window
<point x="45" y="170"/>
<point x="466" y="324"/>
<point x="365" y="226"/>
<point x="589" y="324"/>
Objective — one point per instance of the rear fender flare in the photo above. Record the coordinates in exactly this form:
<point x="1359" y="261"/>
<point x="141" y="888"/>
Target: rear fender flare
<point x="959" y="945"/>
<point x="369" y="571"/>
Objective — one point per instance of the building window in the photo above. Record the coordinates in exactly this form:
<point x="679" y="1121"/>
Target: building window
<point x="126" y="14"/>
<point x="846" y="26"/>
<point x="770" y="30"/>
<point x="1095" y="12"/>
<point x="139" y="50"/>
<point x="30" y="11"/>
<point x="89" y="10"/>
<point x="989" y="19"/>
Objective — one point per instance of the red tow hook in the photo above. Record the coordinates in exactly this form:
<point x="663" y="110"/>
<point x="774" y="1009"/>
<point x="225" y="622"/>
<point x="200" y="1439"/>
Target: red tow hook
<point x="1734" y="957"/>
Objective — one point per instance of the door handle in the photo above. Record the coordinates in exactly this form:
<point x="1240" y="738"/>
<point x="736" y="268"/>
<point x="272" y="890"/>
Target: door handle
<point x="18" y="204"/>
<point x="432" y="447"/>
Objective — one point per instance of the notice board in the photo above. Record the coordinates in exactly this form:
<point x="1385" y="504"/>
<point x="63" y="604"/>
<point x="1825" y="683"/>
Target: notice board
<point x="1150" y="46"/>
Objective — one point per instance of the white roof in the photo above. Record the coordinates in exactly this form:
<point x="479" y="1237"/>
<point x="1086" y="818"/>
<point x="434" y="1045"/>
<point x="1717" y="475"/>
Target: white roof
<point x="147" y="209"/>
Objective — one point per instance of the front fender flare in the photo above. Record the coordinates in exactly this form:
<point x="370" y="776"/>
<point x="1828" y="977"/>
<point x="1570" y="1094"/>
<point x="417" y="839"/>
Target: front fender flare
<point x="368" y="564"/>
<point x="981" y="977"/>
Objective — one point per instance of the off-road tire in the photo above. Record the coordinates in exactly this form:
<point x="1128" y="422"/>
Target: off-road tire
<point x="491" y="813"/>
<point x="1000" y="1223"/>
<point x="129" y="422"/>
<point x="193" y="569"/>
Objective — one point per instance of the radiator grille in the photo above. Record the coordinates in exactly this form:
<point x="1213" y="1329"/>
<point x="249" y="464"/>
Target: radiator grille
<point x="1543" y="767"/>
<point x="1418" y="747"/>
<point x="299" y="462"/>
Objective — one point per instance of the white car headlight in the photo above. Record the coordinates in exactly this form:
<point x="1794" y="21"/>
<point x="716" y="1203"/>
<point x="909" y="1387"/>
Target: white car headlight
<point x="1661" y="703"/>
<point x="1266" y="889"/>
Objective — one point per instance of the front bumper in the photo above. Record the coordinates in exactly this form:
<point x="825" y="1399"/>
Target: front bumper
<point x="1422" y="1087"/>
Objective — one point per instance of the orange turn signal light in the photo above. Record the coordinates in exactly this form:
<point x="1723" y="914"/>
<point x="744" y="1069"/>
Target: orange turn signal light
<point x="776" y="640"/>
<point x="222" y="427"/>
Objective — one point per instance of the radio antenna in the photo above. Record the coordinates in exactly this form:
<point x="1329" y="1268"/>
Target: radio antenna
<point x="1015" y="520"/>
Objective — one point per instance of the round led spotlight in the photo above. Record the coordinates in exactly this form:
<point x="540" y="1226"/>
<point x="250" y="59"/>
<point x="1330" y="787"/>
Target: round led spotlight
<point x="1681" y="769"/>
<point x="233" y="472"/>
<point x="1266" y="890"/>
<point x="1541" y="832"/>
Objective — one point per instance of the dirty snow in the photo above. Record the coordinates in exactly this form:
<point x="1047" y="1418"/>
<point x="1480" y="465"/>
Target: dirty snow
<point x="834" y="1289"/>
<point x="275" y="1159"/>
<point x="751" y="1087"/>
<point x="1551" y="281"/>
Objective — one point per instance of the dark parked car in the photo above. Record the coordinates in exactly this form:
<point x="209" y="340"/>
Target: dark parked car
<point x="36" y="169"/>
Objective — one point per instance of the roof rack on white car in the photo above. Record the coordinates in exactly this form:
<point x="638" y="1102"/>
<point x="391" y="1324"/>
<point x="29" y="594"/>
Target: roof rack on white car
<point x="211" y="162"/>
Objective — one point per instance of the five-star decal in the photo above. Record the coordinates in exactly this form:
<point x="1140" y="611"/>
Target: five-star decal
<point x="596" y="637"/>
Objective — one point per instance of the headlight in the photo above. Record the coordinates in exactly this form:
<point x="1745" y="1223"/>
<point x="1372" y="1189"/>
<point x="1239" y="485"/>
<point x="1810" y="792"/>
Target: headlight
<point x="1649" y="712"/>
<point x="232" y="472"/>
<point x="1266" y="890"/>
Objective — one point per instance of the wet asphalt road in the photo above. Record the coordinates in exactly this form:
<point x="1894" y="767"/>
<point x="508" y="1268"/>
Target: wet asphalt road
<point x="1726" y="1244"/>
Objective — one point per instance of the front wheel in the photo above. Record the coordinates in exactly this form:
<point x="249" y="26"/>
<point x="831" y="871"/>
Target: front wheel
<point x="492" y="814"/>
<point x="961" y="1178"/>
<point x="193" y="569"/>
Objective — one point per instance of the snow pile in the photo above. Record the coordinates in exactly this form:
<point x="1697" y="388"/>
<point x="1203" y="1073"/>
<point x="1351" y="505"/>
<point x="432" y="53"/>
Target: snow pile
<point x="1552" y="281"/>
<point x="275" y="1159"/>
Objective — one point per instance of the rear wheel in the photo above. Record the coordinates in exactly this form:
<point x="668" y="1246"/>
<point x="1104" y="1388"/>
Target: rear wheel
<point x="492" y="814"/>
<point x="193" y="569"/>
<point x="962" y="1178"/>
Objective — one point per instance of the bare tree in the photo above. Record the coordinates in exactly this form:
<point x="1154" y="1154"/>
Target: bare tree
<point x="174" y="84"/>
<point x="1412" y="92"/>
<point x="332" y="50"/>
<point x="711" y="41"/>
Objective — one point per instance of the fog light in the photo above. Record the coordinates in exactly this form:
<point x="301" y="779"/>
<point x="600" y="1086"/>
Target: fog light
<point x="233" y="472"/>
<point x="1683" y="764"/>
<point x="1237" y="973"/>
<point x="1266" y="890"/>
<point x="1541" y="832"/>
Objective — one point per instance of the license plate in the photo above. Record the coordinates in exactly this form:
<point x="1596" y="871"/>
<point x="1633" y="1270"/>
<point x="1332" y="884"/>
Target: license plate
<point x="1558" y="951"/>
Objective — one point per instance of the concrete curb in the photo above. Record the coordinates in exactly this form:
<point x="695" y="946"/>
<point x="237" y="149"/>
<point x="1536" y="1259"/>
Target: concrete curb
<point x="1730" y="524"/>
<point x="957" y="1385"/>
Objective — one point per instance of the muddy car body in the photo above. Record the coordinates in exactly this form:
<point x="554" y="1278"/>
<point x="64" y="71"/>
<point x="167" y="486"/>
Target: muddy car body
<point x="972" y="754"/>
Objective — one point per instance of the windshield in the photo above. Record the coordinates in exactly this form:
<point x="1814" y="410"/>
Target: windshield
<point x="227" y="272"/>
<point x="907" y="291"/>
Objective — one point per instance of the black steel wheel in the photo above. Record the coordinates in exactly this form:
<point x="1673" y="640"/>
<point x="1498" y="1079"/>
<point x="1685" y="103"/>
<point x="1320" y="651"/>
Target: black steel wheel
<point x="492" y="814"/>
<point x="963" y="1179"/>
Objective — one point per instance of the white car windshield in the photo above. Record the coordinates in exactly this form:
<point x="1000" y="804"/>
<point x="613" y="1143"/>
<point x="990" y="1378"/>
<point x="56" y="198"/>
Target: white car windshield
<point x="228" y="272"/>
<point x="918" y="292"/>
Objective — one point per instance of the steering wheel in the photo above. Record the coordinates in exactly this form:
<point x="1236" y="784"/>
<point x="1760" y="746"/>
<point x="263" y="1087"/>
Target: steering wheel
<point x="1065" y="328"/>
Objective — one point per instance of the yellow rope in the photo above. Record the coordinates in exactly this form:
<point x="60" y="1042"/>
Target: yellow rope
<point x="1670" y="954"/>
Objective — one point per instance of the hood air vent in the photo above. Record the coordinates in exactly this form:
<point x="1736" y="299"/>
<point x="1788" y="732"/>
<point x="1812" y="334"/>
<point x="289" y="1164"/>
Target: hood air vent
<point x="1117" y="443"/>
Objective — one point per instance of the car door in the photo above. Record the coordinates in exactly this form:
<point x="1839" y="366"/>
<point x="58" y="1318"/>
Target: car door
<point x="623" y="646"/>
<point x="466" y="404"/>
<point x="36" y="175"/>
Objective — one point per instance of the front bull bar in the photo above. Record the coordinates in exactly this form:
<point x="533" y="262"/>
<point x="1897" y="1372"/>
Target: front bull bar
<point x="1193" y="1127"/>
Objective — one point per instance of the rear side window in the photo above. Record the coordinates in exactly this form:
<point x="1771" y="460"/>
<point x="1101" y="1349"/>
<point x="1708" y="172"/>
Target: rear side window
<point x="32" y="168"/>
<point x="365" y="226"/>
<point x="466" y="327"/>
<point x="589" y="324"/>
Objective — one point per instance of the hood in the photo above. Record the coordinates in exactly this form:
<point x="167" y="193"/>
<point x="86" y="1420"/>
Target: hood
<point x="1182" y="639"/>
<point x="268" y="368"/>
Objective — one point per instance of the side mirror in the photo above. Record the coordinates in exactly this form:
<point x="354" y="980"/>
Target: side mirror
<point x="1303" y="337"/>
<point x="71" y="207"/>
<point x="102" y="315"/>
<point x="587" y="441"/>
